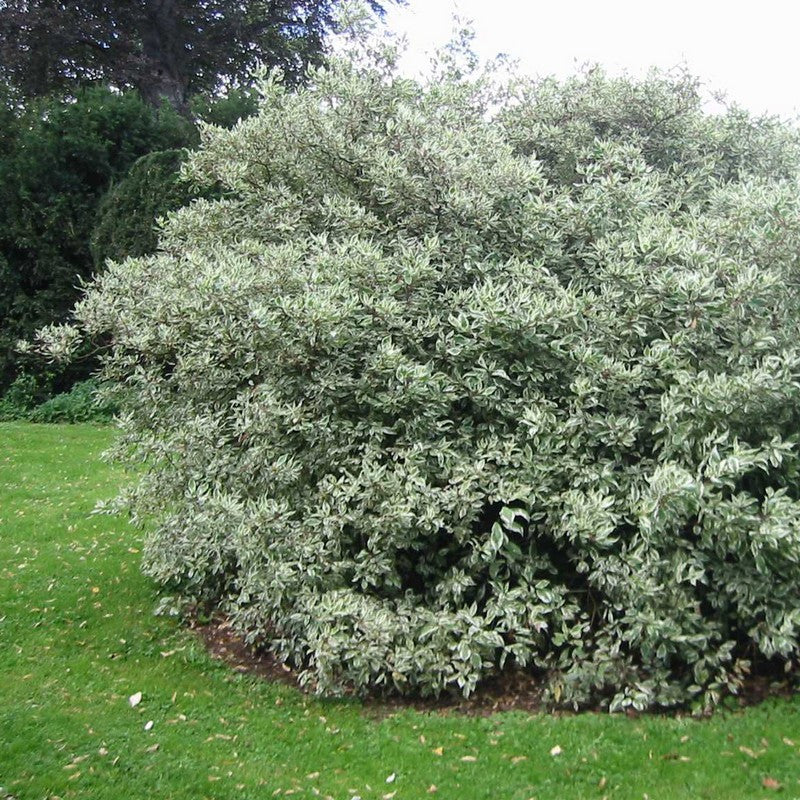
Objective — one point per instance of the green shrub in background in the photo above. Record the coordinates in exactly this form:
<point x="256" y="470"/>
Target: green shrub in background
<point x="24" y="394"/>
<point x="68" y="204"/>
<point x="226" y="110"/>
<point x="127" y="214"/>
<point x="57" y="161"/>
<point x="82" y="403"/>
<point x="420" y="405"/>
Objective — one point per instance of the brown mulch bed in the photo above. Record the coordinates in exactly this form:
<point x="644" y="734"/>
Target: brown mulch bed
<point x="511" y="691"/>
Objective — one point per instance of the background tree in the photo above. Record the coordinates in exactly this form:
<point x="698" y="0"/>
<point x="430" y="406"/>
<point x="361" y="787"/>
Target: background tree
<point x="166" y="49"/>
<point x="56" y="163"/>
<point x="127" y="214"/>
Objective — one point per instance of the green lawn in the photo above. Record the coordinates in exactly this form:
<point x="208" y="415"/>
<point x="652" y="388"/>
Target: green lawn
<point x="78" y="637"/>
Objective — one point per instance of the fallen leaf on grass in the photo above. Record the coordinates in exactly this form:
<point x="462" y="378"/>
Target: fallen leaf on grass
<point x="788" y="741"/>
<point x="469" y="758"/>
<point x="433" y="788"/>
<point x="135" y="699"/>
<point x="517" y="759"/>
<point x="437" y="751"/>
<point x="152" y="748"/>
<point x="747" y="751"/>
<point x="148" y="726"/>
<point x="771" y="783"/>
<point x="601" y="784"/>
<point x="556" y="751"/>
<point x="391" y="778"/>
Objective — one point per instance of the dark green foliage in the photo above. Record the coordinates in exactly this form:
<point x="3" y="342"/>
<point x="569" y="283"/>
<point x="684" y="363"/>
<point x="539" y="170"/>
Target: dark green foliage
<point x="28" y="399"/>
<point x="56" y="163"/>
<point x="24" y="394"/>
<point x="126" y="217"/>
<point x="166" y="49"/>
<point x="228" y="110"/>
<point x="81" y="404"/>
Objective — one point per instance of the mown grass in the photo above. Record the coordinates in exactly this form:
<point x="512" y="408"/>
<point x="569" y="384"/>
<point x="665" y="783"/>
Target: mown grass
<point x="78" y="637"/>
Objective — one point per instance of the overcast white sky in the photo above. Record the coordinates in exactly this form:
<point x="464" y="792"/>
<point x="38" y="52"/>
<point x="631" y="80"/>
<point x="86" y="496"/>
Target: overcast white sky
<point x="749" y="50"/>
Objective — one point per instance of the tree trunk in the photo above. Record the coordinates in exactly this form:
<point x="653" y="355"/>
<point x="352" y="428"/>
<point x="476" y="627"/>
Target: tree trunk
<point x="163" y="75"/>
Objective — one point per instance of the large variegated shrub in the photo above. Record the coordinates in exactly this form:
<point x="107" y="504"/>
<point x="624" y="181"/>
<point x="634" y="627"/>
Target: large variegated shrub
<point x="458" y="378"/>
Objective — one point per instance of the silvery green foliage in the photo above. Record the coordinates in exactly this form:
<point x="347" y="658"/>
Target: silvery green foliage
<point x="457" y="377"/>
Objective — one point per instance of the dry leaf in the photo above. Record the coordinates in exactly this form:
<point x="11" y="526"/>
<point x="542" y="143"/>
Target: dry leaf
<point x="437" y="751"/>
<point x="556" y="751"/>
<point x="391" y="778"/>
<point x="771" y="783"/>
<point x="135" y="699"/>
<point x="468" y="758"/>
<point x="788" y="741"/>
<point x="601" y="784"/>
<point x="152" y="748"/>
<point x="148" y="726"/>
<point x="517" y="759"/>
<point x="747" y="751"/>
<point x="432" y="789"/>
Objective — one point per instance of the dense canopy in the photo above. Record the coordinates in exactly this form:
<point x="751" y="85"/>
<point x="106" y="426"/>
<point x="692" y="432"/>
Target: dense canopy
<point x="166" y="49"/>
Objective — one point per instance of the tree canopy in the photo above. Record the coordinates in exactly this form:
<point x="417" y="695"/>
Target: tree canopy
<point x="166" y="49"/>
